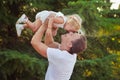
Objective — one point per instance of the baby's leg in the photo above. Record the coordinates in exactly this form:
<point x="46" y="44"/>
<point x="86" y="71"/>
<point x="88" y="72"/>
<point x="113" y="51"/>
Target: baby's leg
<point x="34" y="26"/>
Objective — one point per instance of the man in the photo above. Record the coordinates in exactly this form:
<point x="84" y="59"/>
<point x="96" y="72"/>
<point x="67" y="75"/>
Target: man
<point x="61" y="60"/>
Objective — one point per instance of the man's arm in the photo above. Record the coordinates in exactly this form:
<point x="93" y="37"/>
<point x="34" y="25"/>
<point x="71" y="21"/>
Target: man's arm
<point x="40" y="47"/>
<point x="48" y="36"/>
<point x="49" y="39"/>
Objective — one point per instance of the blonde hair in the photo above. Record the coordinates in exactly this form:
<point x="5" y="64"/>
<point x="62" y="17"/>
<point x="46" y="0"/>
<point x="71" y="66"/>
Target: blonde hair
<point x="75" y="20"/>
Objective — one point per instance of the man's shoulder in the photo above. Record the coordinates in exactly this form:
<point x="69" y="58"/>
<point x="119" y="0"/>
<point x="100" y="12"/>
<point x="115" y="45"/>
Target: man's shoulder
<point x="60" y="53"/>
<point x="55" y="52"/>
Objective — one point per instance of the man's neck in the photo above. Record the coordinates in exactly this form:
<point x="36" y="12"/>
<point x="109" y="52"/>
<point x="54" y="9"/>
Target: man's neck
<point x="62" y="48"/>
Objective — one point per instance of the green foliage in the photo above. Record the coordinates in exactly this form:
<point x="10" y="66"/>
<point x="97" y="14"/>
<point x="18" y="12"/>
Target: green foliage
<point x="95" y="69"/>
<point x="101" y="46"/>
<point x="97" y="50"/>
<point x="112" y="42"/>
<point x="14" y="65"/>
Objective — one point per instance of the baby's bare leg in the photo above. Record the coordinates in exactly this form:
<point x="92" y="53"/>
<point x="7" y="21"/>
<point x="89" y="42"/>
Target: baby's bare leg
<point x="34" y="26"/>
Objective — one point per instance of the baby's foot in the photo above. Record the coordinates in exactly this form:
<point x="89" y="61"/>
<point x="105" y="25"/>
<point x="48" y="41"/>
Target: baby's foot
<point x="22" y="19"/>
<point x="19" y="28"/>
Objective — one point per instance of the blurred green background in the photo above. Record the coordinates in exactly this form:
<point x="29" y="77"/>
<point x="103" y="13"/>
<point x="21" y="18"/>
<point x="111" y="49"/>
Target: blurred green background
<point x="101" y="60"/>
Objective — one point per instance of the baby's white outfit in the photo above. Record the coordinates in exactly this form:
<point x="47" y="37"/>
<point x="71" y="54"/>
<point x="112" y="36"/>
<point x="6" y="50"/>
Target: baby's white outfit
<point x="44" y="14"/>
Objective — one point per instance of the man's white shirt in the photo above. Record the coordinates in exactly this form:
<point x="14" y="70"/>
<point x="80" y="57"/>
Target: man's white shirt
<point x="61" y="64"/>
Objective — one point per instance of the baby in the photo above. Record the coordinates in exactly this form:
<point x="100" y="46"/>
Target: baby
<point x="71" y="23"/>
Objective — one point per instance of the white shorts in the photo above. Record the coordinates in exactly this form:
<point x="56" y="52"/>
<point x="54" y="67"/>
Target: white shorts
<point x="42" y="15"/>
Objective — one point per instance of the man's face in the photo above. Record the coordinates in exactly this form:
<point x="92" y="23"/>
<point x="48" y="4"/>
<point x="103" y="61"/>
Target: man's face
<point x="69" y="37"/>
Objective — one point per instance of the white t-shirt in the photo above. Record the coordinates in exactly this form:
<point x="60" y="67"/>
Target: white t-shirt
<point x="61" y="64"/>
<point x="44" y="14"/>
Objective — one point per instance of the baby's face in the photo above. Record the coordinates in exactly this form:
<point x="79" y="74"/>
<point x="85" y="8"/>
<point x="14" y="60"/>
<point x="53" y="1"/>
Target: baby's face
<point x="69" y="27"/>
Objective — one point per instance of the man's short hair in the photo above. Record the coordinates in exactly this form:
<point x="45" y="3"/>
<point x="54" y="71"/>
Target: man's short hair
<point x="79" y="45"/>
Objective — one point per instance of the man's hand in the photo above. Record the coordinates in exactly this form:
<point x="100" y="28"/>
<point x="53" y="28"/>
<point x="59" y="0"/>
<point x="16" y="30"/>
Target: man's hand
<point x="49" y="18"/>
<point x="54" y="31"/>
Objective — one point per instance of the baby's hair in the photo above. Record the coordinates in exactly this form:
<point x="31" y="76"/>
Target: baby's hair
<point x="76" y="20"/>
